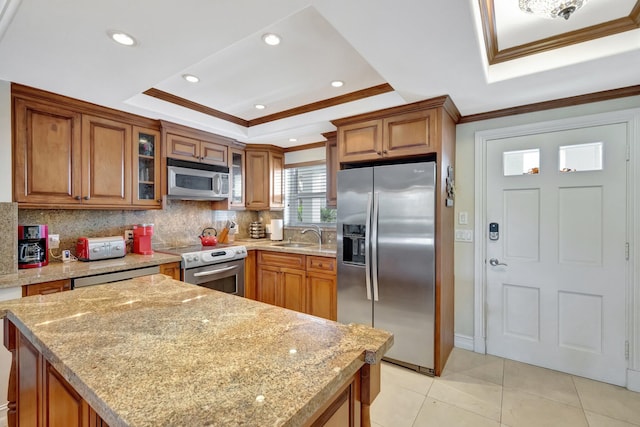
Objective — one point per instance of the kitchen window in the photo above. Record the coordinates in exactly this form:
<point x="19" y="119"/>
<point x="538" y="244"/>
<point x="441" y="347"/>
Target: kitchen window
<point x="305" y="190"/>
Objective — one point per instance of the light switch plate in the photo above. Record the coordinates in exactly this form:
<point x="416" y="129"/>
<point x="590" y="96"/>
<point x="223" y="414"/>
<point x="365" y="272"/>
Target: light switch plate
<point x="463" y="218"/>
<point x="463" y="235"/>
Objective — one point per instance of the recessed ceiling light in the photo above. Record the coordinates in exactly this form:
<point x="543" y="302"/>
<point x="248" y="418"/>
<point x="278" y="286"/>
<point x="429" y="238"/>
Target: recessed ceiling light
<point x="293" y="139"/>
<point x="260" y="107"/>
<point x="190" y="78"/>
<point x="122" y="38"/>
<point x="337" y="83"/>
<point x="271" y="39"/>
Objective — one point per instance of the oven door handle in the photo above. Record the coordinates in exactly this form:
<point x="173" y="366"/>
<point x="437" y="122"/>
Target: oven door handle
<point x="212" y="272"/>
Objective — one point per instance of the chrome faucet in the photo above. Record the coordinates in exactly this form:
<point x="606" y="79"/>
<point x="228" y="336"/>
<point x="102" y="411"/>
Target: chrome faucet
<point x="316" y="230"/>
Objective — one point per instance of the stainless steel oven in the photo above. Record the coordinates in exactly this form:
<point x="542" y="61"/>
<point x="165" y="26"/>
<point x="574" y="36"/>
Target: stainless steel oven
<point x="225" y="277"/>
<point x="219" y="267"/>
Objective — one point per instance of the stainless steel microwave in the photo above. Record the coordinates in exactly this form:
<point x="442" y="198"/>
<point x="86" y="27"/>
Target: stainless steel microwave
<point x="196" y="181"/>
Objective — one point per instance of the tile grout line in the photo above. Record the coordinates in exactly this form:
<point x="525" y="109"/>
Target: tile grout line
<point x="575" y="387"/>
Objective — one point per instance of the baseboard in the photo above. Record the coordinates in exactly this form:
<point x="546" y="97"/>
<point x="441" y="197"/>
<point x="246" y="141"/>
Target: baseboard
<point x="464" y="342"/>
<point x="633" y="380"/>
<point x="3" y="414"/>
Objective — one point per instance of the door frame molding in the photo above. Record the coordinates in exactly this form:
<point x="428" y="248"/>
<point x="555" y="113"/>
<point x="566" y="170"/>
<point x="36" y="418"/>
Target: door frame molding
<point x="631" y="118"/>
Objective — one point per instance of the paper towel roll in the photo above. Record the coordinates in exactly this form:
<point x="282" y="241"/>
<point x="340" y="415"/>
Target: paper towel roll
<point x="276" y="229"/>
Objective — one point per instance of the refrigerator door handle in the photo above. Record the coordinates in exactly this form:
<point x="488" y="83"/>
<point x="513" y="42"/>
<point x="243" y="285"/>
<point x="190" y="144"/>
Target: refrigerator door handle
<point x="367" y="256"/>
<point x="374" y="244"/>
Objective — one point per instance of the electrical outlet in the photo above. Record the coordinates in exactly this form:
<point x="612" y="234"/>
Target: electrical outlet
<point x="54" y="241"/>
<point x="128" y="234"/>
<point x="66" y="255"/>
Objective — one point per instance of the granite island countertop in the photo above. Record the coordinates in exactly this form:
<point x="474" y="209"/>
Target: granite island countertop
<point x="153" y="351"/>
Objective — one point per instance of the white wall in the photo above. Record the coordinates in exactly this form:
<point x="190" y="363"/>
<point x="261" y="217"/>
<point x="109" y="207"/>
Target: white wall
<point x="310" y="155"/>
<point x="5" y="141"/>
<point x="465" y="140"/>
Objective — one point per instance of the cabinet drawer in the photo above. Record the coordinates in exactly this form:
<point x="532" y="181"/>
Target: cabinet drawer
<point x="46" y="288"/>
<point x="321" y="264"/>
<point x="281" y="259"/>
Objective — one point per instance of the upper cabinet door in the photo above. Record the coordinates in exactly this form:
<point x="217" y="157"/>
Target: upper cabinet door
<point x="410" y="134"/>
<point x="213" y="154"/>
<point x="183" y="148"/>
<point x="332" y="169"/>
<point x="146" y="167"/>
<point x="257" y="189"/>
<point x="47" y="162"/>
<point x="107" y="154"/>
<point x="277" y="180"/>
<point x="360" y="141"/>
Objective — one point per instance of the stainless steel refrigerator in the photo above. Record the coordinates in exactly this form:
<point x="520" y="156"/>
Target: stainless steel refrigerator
<point x="386" y="255"/>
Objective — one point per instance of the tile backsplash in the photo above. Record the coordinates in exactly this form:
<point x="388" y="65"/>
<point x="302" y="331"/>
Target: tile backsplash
<point x="178" y="224"/>
<point x="8" y="246"/>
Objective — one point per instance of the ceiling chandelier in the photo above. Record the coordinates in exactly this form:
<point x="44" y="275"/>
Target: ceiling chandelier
<point x="551" y="8"/>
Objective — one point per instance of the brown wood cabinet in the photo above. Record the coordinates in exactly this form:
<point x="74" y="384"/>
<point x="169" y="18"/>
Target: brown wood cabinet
<point x="332" y="168"/>
<point x="182" y="147"/>
<point x="147" y="169"/>
<point x="237" y="182"/>
<point x="38" y="395"/>
<point x="106" y="161"/>
<point x="281" y="280"/>
<point x="171" y="269"/>
<point x="46" y="288"/>
<point x="304" y="283"/>
<point x="47" y="154"/>
<point x="403" y="134"/>
<point x="72" y="154"/>
<point x="193" y="145"/>
<point x="265" y="177"/>
<point x="250" y="274"/>
<point x="322" y="290"/>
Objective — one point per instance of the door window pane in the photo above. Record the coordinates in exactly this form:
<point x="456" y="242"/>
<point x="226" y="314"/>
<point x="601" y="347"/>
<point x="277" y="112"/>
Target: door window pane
<point x="521" y="162"/>
<point x="581" y="157"/>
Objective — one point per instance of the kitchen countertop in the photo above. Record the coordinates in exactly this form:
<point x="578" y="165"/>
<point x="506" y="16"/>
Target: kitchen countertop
<point x="326" y="250"/>
<point x="69" y="270"/>
<point x="153" y="351"/>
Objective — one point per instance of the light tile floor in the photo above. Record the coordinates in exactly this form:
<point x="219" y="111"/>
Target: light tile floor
<point x="478" y="390"/>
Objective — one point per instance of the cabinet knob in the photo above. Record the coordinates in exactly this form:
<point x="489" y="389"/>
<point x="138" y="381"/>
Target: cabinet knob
<point x="384" y="151"/>
<point x="379" y="153"/>
<point x="86" y="197"/>
<point x="159" y="200"/>
<point x="77" y="197"/>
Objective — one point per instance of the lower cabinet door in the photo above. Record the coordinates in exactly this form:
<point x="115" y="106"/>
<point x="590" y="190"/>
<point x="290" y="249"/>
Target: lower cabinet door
<point x="267" y="284"/>
<point x="293" y="295"/>
<point x="64" y="406"/>
<point x="322" y="296"/>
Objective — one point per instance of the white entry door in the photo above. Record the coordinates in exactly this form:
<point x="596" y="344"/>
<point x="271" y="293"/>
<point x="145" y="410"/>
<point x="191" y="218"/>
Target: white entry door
<point x="557" y="296"/>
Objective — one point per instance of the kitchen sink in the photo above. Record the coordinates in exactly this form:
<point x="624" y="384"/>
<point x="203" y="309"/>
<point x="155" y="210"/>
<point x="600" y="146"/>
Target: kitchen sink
<point x="293" y="245"/>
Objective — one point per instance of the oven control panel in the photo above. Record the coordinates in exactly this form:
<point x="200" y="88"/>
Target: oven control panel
<point x="213" y="256"/>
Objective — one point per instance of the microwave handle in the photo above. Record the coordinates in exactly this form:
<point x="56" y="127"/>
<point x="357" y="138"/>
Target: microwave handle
<point x="217" y="184"/>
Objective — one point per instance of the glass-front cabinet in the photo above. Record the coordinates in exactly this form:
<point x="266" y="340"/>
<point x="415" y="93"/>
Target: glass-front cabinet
<point x="146" y="146"/>
<point x="237" y="168"/>
<point x="236" y="172"/>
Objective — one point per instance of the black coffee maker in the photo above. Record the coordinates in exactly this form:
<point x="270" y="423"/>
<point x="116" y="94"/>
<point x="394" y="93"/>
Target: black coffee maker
<point x="33" y="246"/>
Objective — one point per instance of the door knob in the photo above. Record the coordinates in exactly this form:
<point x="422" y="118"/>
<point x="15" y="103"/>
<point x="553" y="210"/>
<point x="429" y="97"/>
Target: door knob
<point x="494" y="262"/>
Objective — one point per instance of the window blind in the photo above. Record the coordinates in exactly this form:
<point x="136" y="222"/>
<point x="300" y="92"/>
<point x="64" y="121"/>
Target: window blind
<point x="305" y="196"/>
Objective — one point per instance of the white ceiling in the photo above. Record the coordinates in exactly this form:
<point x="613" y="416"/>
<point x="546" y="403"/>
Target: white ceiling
<point x="422" y="48"/>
